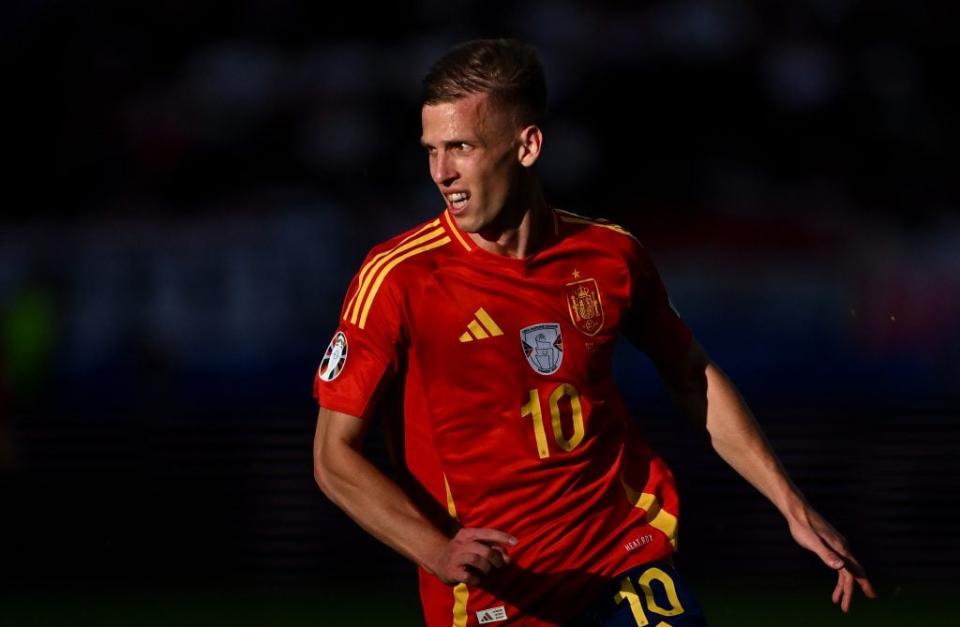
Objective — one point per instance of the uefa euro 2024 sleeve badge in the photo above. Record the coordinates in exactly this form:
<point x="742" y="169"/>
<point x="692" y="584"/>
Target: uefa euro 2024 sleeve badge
<point x="543" y="346"/>
<point x="334" y="358"/>
<point x="585" y="305"/>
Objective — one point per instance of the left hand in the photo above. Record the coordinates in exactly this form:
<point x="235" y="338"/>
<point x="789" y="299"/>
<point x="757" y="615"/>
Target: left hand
<point x="812" y="532"/>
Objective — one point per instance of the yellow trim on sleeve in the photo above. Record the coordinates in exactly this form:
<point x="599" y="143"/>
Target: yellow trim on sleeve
<point x="379" y="259"/>
<point x="390" y="266"/>
<point x="379" y="263"/>
<point x="573" y="218"/>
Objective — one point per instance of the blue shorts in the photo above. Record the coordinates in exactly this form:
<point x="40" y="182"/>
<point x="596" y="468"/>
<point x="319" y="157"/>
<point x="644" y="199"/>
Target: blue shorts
<point x="652" y="594"/>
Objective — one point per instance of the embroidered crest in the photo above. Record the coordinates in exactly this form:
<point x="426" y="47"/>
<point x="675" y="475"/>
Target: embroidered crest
<point x="586" y="308"/>
<point x="334" y="358"/>
<point x="543" y="346"/>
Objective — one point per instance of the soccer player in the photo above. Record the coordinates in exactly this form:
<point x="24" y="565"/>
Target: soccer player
<point x="532" y="499"/>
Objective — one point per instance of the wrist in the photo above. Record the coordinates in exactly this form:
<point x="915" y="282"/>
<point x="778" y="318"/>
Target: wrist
<point x="794" y="507"/>
<point x="431" y="555"/>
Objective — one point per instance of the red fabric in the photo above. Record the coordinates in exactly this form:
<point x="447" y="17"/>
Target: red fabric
<point x="463" y="400"/>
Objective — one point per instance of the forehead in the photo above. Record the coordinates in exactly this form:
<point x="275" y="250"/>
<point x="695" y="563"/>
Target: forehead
<point x="470" y="116"/>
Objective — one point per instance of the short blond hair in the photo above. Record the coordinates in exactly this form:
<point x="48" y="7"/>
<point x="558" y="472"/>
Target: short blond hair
<point x="508" y="70"/>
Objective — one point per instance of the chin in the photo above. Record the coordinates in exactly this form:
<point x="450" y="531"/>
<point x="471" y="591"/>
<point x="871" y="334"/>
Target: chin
<point x="468" y="223"/>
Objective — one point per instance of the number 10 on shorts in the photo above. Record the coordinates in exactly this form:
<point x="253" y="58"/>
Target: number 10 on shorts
<point x="628" y="592"/>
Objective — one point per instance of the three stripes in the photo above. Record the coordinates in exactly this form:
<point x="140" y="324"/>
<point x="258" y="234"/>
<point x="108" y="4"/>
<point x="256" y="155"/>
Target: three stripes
<point x="376" y="270"/>
<point x="481" y="327"/>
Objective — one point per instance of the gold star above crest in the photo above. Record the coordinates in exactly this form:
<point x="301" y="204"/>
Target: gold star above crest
<point x="576" y="273"/>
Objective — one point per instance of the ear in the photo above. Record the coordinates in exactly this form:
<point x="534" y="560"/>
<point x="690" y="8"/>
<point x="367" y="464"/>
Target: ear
<point x="530" y="142"/>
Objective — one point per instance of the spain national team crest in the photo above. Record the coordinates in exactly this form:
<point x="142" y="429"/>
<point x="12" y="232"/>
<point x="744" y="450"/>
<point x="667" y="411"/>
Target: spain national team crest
<point x="543" y="346"/>
<point x="334" y="358"/>
<point x="586" y="308"/>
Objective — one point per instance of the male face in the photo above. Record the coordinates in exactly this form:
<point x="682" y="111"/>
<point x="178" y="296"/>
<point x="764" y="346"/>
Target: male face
<point x="473" y="152"/>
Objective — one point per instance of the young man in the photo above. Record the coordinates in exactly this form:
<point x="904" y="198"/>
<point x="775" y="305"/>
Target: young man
<point x="534" y="500"/>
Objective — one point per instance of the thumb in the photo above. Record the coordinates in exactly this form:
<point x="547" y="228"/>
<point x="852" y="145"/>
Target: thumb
<point x="809" y="538"/>
<point x="829" y="557"/>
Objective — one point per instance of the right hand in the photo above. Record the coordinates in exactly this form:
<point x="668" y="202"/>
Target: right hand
<point x="472" y="552"/>
<point x="813" y="532"/>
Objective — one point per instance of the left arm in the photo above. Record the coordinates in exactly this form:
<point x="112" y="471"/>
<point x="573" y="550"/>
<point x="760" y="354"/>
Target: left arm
<point x="708" y="396"/>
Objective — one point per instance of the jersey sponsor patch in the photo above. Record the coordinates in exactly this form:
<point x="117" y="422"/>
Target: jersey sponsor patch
<point x="334" y="358"/>
<point x="585" y="305"/>
<point x="492" y="615"/>
<point x="543" y="346"/>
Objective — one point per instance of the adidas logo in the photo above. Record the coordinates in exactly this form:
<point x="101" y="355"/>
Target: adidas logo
<point x="481" y="327"/>
<point x="492" y="615"/>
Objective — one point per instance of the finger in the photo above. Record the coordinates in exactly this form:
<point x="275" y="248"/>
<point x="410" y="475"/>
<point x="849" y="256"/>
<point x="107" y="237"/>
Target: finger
<point x="477" y="557"/>
<point x="491" y="535"/>
<point x="831" y="547"/>
<point x="867" y="587"/>
<point x="490" y="554"/>
<point x="477" y="562"/>
<point x="503" y="554"/>
<point x="847" y="595"/>
<point x="834" y="540"/>
<point x="497" y="557"/>
<point x="835" y="597"/>
<point x="481" y="557"/>
<point x="859" y="576"/>
<point x="854" y="566"/>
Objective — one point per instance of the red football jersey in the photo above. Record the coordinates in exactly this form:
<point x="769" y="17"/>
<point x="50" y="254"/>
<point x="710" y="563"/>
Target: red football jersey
<point x="512" y="420"/>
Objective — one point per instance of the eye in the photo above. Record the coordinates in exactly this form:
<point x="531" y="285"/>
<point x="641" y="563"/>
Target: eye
<point x="463" y="147"/>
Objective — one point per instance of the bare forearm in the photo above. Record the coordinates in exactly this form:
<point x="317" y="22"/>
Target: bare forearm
<point x="383" y="509"/>
<point x="376" y="503"/>
<point x="737" y="438"/>
<point x="708" y="396"/>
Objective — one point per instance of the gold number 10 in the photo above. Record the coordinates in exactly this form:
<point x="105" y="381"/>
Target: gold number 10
<point x="629" y="594"/>
<point x="532" y="408"/>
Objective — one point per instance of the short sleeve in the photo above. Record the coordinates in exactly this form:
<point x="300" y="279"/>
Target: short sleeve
<point x="652" y="324"/>
<point x="366" y="350"/>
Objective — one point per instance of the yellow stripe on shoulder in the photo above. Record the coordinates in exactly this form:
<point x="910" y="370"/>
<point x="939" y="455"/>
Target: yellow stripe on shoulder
<point x="381" y="273"/>
<point x="573" y="218"/>
<point x="366" y="272"/>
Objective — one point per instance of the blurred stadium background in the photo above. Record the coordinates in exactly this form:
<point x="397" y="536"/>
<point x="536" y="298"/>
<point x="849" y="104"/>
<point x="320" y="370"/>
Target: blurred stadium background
<point x="189" y="187"/>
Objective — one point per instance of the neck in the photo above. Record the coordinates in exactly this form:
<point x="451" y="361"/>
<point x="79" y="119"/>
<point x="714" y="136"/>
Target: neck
<point x="521" y="227"/>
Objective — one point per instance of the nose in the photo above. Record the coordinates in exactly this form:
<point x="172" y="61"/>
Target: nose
<point x="443" y="170"/>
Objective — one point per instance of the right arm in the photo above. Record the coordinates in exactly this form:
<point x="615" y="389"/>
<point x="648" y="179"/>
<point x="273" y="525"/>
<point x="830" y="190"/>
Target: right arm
<point x="378" y="505"/>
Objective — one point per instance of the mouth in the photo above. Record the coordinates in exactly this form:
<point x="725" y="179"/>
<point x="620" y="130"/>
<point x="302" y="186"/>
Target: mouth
<point x="457" y="201"/>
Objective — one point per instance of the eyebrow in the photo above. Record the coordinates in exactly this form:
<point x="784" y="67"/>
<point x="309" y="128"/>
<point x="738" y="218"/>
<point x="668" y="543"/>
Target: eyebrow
<point x="448" y="143"/>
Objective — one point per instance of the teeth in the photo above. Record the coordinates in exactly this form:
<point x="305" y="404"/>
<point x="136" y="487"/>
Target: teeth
<point x="458" y="197"/>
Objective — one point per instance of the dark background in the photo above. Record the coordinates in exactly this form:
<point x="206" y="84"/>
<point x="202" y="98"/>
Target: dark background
<point x="189" y="187"/>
